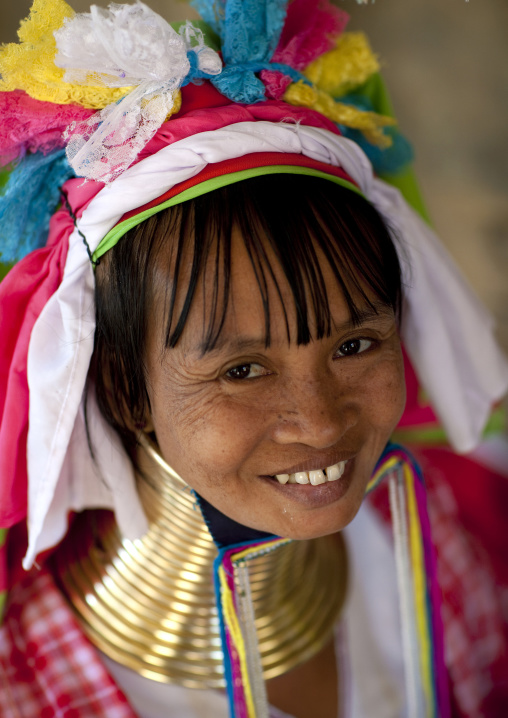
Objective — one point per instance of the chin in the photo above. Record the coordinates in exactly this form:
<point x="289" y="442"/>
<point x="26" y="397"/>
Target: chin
<point x="315" y="523"/>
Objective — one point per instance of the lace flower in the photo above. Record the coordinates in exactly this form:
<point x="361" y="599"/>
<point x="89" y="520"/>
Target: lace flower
<point x="127" y="46"/>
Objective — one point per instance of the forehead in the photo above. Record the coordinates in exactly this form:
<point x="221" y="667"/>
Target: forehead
<point x="257" y="282"/>
<point x="317" y="240"/>
<point x="251" y="294"/>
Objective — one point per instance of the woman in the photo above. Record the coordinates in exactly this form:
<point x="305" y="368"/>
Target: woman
<point x="218" y="308"/>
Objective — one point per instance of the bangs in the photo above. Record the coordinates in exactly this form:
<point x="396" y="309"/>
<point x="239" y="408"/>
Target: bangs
<point x="290" y="226"/>
<point x="287" y="223"/>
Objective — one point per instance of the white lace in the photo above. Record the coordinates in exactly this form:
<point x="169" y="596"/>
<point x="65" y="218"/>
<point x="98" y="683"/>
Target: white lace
<point x="125" y="46"/>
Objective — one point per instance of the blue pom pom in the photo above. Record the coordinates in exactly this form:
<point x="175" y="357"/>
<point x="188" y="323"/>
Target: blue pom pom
<point x="27" y="200"/>
<point x="249" y="31"/>
<point x="240" y="85"/>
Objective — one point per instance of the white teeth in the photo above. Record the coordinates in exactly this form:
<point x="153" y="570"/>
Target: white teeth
<point x="331" y="473"/>
<point x="335" y="472"/>
<point x="317" y="477"/>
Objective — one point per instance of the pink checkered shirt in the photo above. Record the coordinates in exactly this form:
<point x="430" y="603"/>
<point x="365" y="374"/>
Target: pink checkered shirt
<point x="48" y="669"/>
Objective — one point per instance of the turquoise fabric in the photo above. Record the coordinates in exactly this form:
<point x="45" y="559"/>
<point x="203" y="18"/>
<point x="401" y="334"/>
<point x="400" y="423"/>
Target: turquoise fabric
<point x="29" y="196"/>
<point x="249" y="32"/>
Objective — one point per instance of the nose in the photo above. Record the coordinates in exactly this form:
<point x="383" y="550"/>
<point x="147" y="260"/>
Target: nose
<point x="314" y="412"/>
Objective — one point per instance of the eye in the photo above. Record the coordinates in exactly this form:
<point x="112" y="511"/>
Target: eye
<point x="246" y="371"/>
<point x="354" y="346"/>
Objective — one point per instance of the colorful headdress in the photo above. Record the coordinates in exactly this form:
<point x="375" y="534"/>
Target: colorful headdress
<point x="111" y="115"/>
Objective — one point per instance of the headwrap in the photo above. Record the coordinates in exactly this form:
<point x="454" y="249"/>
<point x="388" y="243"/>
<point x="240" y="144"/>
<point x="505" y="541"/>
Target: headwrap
<point x="123" y="115"/>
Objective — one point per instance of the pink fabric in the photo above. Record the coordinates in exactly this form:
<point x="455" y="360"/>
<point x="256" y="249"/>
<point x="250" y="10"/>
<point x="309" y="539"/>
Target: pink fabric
<point x="23" y="295"/>
<point x="472" y="527"/>
<point x="50" y="668"/>
<point x="418" y="412"/>
<point x="310" y="30"/>
<point x="30" y="125"/>
<point x="475" y="629"/>
<point x="203" y="118"/>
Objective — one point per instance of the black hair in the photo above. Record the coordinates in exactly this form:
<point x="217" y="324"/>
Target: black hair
<point x="291" y="219"/>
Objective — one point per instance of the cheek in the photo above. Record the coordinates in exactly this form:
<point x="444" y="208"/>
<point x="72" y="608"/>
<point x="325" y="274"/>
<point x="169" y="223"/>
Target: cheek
<point x="207" y="441"/>
<point x="387" y="392"/>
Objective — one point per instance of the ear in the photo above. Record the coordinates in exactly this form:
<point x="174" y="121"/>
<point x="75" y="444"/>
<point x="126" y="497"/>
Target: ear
<point x="146" y="426"/>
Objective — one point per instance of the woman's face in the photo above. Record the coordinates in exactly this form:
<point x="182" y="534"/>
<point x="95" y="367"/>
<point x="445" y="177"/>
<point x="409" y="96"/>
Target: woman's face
<point x="230" y="420"/>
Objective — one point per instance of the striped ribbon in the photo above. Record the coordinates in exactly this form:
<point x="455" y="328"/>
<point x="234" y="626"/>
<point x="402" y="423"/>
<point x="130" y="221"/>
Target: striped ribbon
<point x="242" y="664"/>
<point x="419" y="595"/>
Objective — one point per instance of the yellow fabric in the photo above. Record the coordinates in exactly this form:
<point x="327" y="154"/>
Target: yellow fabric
<point x="29" y="65"/>
<point x="369" y="123"/>
<point x="347" y="66"/>
<point x="177" y="103"/>
<point x="336" y="72"/>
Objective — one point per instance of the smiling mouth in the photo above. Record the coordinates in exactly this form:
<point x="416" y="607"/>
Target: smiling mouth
<point x="317" y="477"/>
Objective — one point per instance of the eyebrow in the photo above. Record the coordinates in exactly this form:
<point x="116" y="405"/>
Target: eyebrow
<point x="239" y="343"/>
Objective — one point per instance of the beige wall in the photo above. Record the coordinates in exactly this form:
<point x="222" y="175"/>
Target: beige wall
<point x="446" y="65"/>
<point x="445" y="62"/>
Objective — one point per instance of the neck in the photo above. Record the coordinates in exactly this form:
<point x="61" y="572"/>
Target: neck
<point x="150" y="605"/>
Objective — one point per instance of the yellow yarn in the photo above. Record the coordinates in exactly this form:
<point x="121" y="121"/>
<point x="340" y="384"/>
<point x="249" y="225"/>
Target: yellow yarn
<point x="335" y="73"/>
<point x="177" y="103"/>
<point x="369" y="123"/>
<point x="29" y="65"/>
<point x="347" y="66"/>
